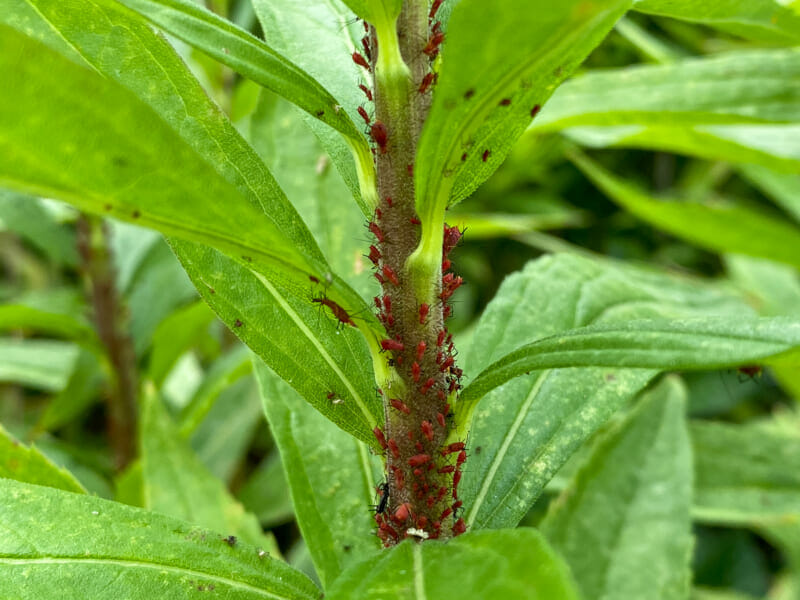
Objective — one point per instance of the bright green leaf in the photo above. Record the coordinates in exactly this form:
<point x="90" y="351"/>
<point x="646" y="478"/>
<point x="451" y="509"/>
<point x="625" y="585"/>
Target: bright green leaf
<point x="526" y="49"/>
<point x="783" y="188"/>
<point x="332" y="478"/>
<point x="753" y="86"/>
<point x="41" y="364"/>
<point x="81" y="391"/>
<point x="304" y="345"/>
<point x="247" y="55"/>
<point x="768" y="20"/>
<point x="27" y="217"/>
<point x="746" y="474"/>
<point x="266" y="493"/>
<point x="524" y="431"/>
<point x="74" y="547"/>
<point x="505" y="564"/>
<point x="31" y="466"/>
<point x="176" y="483"/>
<point x="623" y="523"/>
<point x="718" y="227"/>
<point x="680" y="344"/>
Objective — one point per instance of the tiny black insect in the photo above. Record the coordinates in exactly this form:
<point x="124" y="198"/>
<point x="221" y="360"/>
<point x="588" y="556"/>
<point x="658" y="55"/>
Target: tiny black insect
<point x="380" y="507"/>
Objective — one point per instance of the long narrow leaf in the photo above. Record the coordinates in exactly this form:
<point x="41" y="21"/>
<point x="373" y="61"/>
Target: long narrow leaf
<point x="74" y="547"/>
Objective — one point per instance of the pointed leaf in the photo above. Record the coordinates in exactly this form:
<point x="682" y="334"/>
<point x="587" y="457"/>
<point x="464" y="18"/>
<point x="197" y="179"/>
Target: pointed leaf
<point x="514" y="563"/>
<point x="746" y="474"/>
<point x="719" y="227"/>
<point x="623" y="523"/>
<point x="753" y="86"/>
<point x="29" y="465"/>
<point x="484" y="100"/>
<point x="767" y="20"/>
<point x="703" y="343"/>
<point x="331" y="476"/>
<point x="524" y="431"/>
<point x="247" y="55"/>
<point x="176" y="483"/>
<point x="75" y="547"/>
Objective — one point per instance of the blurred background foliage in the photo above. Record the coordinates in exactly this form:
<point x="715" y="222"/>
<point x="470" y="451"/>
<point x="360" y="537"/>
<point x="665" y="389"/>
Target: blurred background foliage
<point x="98" y="316"/>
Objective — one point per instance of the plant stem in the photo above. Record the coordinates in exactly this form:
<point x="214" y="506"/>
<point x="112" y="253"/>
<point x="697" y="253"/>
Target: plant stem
<point x="109" y="320"/>
<point x="421" y="474"/>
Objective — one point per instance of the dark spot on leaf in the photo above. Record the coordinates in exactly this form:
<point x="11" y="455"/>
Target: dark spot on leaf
<point x="320" y="113"/>
<point x="237" y="323"/>
<point x="120" y="161"/>
<point x="535" y="111"/>
<point x="611" y="377"/>
<point x="505" y="102"/>
<point x="136" y="214"/>
<point x="478" y="449"/>
<point x="469" y="94"/>
<point x="347" y="547"/>
<point x="212" y="290"/>
<point x="248" y="258"/>
<point x="485" y="155"/>
<point x="464" y="157"/>
<point x="108" y="207"/>
<point x="231" y="539"/>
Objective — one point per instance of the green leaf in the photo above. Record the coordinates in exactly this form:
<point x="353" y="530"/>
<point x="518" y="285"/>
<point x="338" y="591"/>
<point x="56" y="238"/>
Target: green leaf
<point x="73" y="547"/>
<point x="223" y="373"/>
<point x="307" y="348"/>
<point x="526" y="49"/>
<point x="514" y="563"/>
<point x="176" y="483"/>
<point x="31" y="466"/>
<point x="746" y="475"/>
<point x="266" y="493"/>
<point x="246" y="54"/>
<point x="332" y="479"/>
<point x="81" y="391"/>
<point x="21" y="314"/>
<point x="176" y="334"/>
<point x="375" y="11"/>
<point x="289" y="25"/>
<point x="753" y="86"/>
<point x="772" y="146"/>
<point x="27" y="217"/>
<point x="718" y="227"/>
<point x="623" y="523"/>
<point x="783" y="188"/>
<point x="40" y="364"/>
<point x="680" y="344"/>
<point x="767" y="20"/>
<point x="224" y="438"/>
<point x="523" y="432"/>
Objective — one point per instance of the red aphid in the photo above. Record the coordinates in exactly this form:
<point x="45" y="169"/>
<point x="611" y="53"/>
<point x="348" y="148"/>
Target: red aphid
<point x="418" y="460"/>
<point x="454" y="447"/>
<point x="446" y="264"/>
<point x="421" y="349"/>
<point x="415" y="221"/>
<point x="452" y="235"/>
<point x="440" y="337"/>
<point x="422" y="522"/>
<point x="393" y="448"/>
<point x="446" y="513"/>
<point x="402" y="513"/>
<point x="376" y="299"/>
<point x="360" y="61"/>
<point x="418" y="473"/>
<point x="366" y="90"/>
<point x="427" y="385"/>
<point x="366" y="46"/>
<point x="461" y="459"/>
<point x="415" y="371"/>
<point x="389" y="273"/>
<point x="379" y="277"/>
<point x="400" y="405"/>
<point x="374" y="256"/>
<point x="338" y="312"/>
<point x="448" y="310"/>
<point x="485" y="155"/>
<point x="392" y="345"/>
<point x="448" y="362"/>
<point x="376" y="231"/>
<point x="440" y="420"/>
<point x="364" y="115"/>
<point x="459" y="527"/>
<point x="423" y="312"/>
<point x="447" y="469"/>
<point x="535" y="111"/>
<point x="456" y="479"/>
<point x="380" y="437"/>
<point x="399" y="478"/>
<point x="434" y="7"/>
<point x="432" y="47"/>
<point x="426" y="83"/>
<point x="427" y="430"/>
<point x="380" y="135"/>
